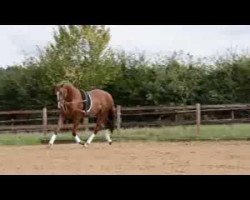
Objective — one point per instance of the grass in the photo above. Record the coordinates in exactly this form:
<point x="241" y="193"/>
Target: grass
<point x="20" y="139"/>
<point x="178" y="133"/>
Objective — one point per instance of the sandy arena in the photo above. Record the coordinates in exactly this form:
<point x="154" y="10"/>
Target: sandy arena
<point x="162" y="158"/>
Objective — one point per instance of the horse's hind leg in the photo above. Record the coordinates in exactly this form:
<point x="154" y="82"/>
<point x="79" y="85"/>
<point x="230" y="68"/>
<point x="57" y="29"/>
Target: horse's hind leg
<point x="110" y="126"/>
<point x="92" y="136"/>
<point x="107" y="136"/>
<point x="99" y="126"/>
<point x="108" y="130"/>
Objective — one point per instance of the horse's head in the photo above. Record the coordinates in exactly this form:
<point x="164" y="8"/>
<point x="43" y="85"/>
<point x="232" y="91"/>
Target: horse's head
<point x="68" y="96"/>
<point x="61" y="93"/>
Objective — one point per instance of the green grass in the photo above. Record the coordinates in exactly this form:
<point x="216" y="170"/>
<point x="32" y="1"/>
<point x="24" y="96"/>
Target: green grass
<point x="187" y="133"/>
<point x="178" y="133"/>
<point x="20" y="139"/>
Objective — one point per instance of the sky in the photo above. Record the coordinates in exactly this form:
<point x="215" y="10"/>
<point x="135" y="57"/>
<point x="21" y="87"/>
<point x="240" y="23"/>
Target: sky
<point x="20" y="42"/>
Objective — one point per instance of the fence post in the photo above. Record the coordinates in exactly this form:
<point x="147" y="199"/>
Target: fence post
<point x="198" y="118"/>
<point x="45" y="121"/>
<point x="176" y="117"/>
<point x="232" y="114"/>
<point x="12" y="125"/>
<point x="118" y="114"/>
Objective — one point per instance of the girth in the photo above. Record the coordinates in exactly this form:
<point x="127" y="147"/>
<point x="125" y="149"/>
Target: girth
<point x="87" y="100"/>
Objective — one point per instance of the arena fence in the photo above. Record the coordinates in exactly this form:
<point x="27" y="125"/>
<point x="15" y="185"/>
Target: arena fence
<point x="45" y="120"/>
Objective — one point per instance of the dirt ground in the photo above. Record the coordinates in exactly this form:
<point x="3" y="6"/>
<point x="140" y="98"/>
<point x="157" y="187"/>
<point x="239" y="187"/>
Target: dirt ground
<point x="128" y="158"/>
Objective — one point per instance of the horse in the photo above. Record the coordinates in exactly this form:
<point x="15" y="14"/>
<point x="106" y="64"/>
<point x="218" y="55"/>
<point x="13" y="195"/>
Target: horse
<point x="76" y="104"/>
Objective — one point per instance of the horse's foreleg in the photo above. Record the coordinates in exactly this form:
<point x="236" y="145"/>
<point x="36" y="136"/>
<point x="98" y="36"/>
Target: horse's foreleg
<point x="75" y="126"/>
<point x="59" y="126"/>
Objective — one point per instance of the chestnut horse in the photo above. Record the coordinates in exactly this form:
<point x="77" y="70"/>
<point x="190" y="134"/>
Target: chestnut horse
<point x="75" y="104"/>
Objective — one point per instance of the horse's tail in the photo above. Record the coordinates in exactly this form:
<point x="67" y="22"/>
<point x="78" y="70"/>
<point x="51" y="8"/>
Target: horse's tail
<point x="111" y="119"/>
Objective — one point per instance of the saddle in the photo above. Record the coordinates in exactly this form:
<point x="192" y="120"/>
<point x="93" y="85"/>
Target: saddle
<point x="87" y="101"/>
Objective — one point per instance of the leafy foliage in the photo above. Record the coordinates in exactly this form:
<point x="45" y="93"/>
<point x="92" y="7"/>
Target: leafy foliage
<point x="80" y="54"/>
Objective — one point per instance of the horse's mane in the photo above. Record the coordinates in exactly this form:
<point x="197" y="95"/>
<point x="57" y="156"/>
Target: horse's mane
<point x="70" y="88"/>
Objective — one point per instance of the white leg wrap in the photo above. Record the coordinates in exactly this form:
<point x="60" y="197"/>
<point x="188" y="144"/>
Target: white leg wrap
<point x="78" y="140"/>
<point x="107" y="136"/>
<point x="90" y="138"/>
<point x="53" y="138"/>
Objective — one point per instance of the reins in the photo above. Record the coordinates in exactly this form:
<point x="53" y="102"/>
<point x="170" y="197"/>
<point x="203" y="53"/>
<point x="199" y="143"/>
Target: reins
<point x="70" y="102"/>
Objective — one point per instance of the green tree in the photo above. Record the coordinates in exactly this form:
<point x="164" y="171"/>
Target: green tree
<point x="241" y="78"/>
<point x="80" y="55"/>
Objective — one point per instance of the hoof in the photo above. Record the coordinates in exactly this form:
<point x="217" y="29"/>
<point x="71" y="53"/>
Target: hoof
<point x="81" y="143"/>
<point x="49" y="146"/>
<point x="85" y="145"/>
<point x="110" y="143"/>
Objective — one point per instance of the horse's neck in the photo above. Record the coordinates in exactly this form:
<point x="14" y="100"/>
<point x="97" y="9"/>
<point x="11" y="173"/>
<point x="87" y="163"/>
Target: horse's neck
<point x="72" y="94"/>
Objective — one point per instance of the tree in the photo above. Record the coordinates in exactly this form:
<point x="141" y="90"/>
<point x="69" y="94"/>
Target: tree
<point x="80" y="55"/>
<point x="241" y="78"/>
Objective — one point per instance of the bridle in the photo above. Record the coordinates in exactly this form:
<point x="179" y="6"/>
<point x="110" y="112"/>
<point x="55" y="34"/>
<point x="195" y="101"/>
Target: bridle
<point x="62" y="104"/>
